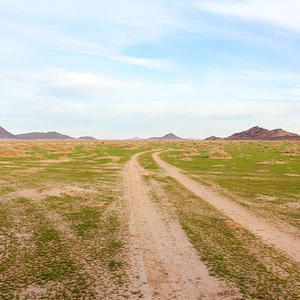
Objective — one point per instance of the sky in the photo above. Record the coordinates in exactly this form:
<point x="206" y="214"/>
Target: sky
<point x="138" y="68"/>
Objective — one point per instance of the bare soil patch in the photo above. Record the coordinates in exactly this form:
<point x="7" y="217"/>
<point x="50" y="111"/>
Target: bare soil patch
<point x="274" y="162"/>
<point x="293" y="204"/>
<point x="38" y="194"/>
<point x="263" y="171"/>
<point x="265" y="197"/>
<point x="32" y="292"/>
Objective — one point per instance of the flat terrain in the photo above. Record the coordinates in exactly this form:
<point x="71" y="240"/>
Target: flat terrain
<point x="149" y="220"/>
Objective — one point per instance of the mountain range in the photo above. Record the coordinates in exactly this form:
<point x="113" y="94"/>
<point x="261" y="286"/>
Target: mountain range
<point x="254" y="133"/>
<point x="259" y="133"/>
<point x="51" y="135"/>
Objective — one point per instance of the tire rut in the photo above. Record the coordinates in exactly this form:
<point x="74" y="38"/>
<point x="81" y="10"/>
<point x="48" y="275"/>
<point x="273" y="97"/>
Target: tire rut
<point x="283" y="237"/>
<point x="166" y="263"/>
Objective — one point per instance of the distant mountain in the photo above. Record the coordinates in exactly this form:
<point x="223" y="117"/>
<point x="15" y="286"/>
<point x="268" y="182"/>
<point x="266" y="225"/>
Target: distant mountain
<point x="4" y="134"/>
<point x="52" y="135"/>
<point x="90" y="138"/>
<point x="212" y="138"/>
<point x="259" y="133"/>
<point x="169" y="136"/>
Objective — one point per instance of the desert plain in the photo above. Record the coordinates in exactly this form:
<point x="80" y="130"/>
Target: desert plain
<point x="149" y="219"/>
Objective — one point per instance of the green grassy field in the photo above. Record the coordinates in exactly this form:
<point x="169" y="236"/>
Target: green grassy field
<point x="64" y="221"/>
<point x="242" y="171"/>
<point x="262" y="176"/>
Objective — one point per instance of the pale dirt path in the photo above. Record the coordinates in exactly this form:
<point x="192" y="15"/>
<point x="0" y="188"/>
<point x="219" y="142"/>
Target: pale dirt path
<point x="166" y="263"/>
<point x="282" y="236"/>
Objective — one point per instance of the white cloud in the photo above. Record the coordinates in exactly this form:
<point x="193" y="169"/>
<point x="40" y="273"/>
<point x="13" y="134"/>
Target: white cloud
<point x="84" y="87"/>
<point x="108" y="42"/>
<point x="280" y="13"/>
<point x="113" y="54"/>
<point x="107" y="28"/>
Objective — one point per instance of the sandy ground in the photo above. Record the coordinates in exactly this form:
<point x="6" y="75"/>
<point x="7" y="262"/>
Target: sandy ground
<point x="38" y="194"/>
<point x="166" y="264"/>
<point x="282" y="236"/>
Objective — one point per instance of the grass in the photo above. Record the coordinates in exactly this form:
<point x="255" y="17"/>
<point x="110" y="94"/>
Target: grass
<point x="36" y="255"/>
<point x="230" y="251"/>
<point x="263" y="176"/>
<point x="75" y="244"/>
<point x="71" y="246"/>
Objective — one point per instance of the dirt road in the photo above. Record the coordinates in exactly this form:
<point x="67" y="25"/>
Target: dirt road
<point x="282" y="236"/>
<point x="164" y="260"/>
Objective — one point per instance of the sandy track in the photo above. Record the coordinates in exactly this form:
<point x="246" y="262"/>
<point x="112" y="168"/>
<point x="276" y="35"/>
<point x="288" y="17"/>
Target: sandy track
<point x="284" y="237"/>
<point x="166" y="263"/>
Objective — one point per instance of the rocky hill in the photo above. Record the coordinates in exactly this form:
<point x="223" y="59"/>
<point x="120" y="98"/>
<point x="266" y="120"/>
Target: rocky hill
<point x="259" y="133"/>
<point x="4" y="134"/>
<point x="51" y="135"/>
<point x="212" y="138"/>
<point x="169" y="136"/>
<point x="89" y="138"/>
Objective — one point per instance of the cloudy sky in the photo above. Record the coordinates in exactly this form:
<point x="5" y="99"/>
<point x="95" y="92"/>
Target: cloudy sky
<point x="119" y="69"/>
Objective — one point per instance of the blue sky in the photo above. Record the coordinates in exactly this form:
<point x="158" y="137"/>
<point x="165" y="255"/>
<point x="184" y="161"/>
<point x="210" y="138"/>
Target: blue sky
<point x="119" y="69"/>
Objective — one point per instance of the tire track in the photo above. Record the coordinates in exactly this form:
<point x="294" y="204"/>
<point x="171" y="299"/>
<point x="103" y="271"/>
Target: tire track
<point x="166" y="263"/>
<point x="283" y="237"/>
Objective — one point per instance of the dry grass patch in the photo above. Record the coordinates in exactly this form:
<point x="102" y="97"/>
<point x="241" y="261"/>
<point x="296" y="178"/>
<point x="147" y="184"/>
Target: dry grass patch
<point x="56" y="160"/>
<point x="12" y="153"/>
<point x="230" y="224"/>
<point x="218" y="154"/>
<point x="187" y="153"/>
<point x="114" y="159"/>
<point x="190" y="152"/>
<point x="293" y="150"/>
<point x="32" y="170"/>
<point x="186" y="159"/>
<point x="129" y="146"/>
<point x="215" y="173"/>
